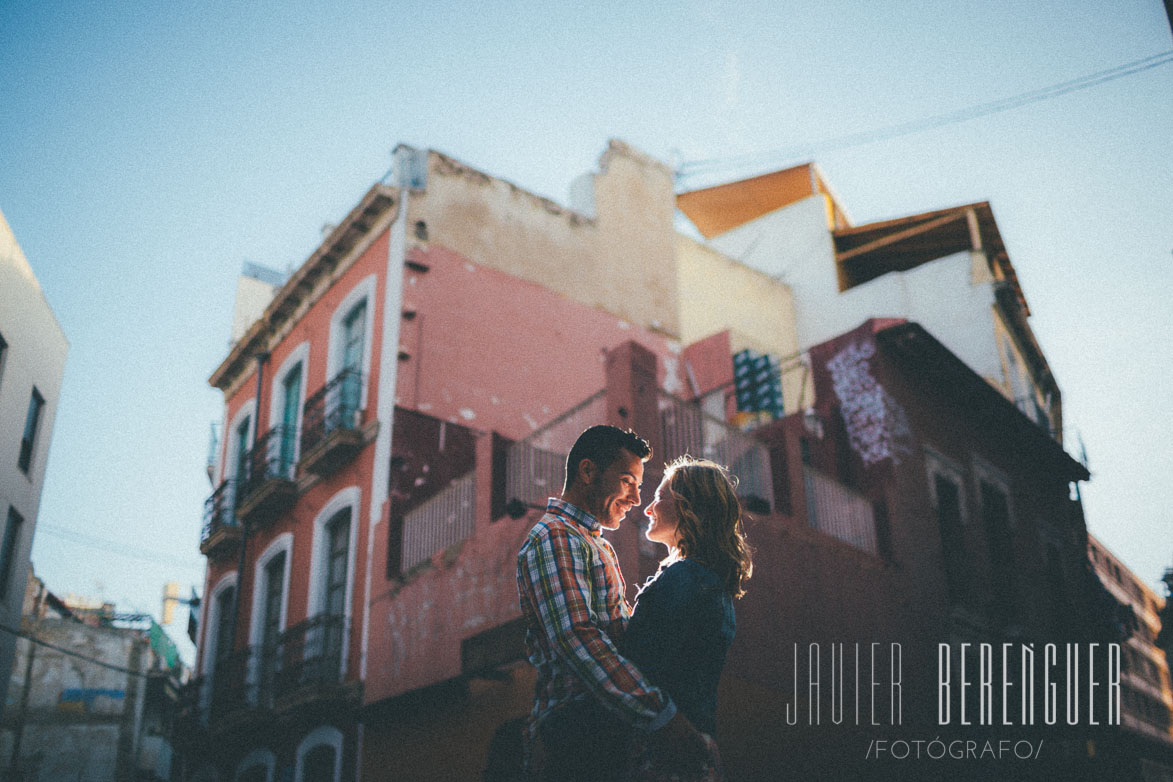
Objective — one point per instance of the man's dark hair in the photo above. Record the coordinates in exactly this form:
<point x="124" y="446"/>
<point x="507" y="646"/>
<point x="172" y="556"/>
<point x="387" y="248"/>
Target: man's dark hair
<point x="602" y="444"/>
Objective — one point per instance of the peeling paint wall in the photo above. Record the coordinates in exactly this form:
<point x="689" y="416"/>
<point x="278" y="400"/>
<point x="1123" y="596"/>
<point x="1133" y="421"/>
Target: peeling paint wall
<point x="620" y="261"/>
<point x="495" y="352"/>
<point x="81" y="718"/>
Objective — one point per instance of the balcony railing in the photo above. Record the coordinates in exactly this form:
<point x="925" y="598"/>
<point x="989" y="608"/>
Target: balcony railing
<point x="269" y="487"/>
<point x="233" y="689"/>
<point x="308" y="659"/>
<point x="189" y="714"/>
<point x="441" y="521"/>
<point x="221" y="529"/>
<point x="535" y="467"/>
<point x="838" y="511"/>
<point x="331" y="424"/>
<point x="686" y="429"/>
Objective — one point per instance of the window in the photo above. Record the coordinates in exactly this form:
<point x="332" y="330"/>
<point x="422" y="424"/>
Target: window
<point x="36" y="404"/>
<point x="8" y="549"/>
<point x="274" y="591"/>
<point x="257" y="773"/>
<point x="337" y="556"/>
<point x="1000" y="541"/>
<point x="290" y="417"/>
<point x="952" y="541"/>
<point x="225" y="619"/>
<point x="319" y="764"/>
<point x="256" y="766"/>
<point x="319" y="756"/>
<point x="948" y="501"/>
<point x="354" y="329"/>
<point x="273" y="584"/>
<point x="270" y="589"/>
<point x="353" y="339"/>
<point x="243" y="430"/>
<point x="348" y="360"/>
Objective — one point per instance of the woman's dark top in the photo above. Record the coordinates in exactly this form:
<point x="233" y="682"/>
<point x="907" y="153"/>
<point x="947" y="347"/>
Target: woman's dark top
<point x="678" y="635"/>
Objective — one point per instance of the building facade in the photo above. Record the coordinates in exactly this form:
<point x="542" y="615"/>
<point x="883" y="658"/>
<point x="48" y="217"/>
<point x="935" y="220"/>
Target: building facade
<point x="1147" y="702"/>
<point x="92" y="697"/>
<point x="32" y="363"/>
<point x="397" y="415"/>
<point x="948" y="270"/>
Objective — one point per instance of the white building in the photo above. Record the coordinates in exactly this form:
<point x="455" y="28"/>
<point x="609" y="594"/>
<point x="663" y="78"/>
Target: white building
<point x="947" y="270"/>
<point x="32" y="362"/>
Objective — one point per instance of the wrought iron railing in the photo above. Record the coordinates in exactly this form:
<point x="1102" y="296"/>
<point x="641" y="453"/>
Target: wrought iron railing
<point x="273" y="455"/>
<point x="838" y="511"/>
<point x="219" y="510"/>
<point x="233" y="689"/>
<point x="686" y="429"/>
<point x="441" y="521"/>
<point x="308" y="654"/>
<point x="336" y="405"/>
<point x="535" y="467"/>
<point x="189" y="706"/>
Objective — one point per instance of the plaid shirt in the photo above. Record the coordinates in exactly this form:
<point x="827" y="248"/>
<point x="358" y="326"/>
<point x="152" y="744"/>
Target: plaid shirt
<point x="572" y="596"/>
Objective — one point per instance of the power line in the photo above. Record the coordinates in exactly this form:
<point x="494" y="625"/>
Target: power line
<point x="116" y="547"/>
<point x="939" y="120"/>
<point x="70" y="652"/>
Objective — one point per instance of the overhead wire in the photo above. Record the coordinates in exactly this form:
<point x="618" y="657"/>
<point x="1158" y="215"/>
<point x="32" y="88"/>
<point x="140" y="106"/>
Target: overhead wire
<point x="116" y="547"/>
<point x="846" y="141"/>
<point x="70" y="652"/>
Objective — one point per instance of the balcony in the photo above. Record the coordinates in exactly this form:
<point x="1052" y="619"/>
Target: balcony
<point x="444" y="520"/>
<point x="332" y="431"/>
<point x="221" y="532"/>
<point x="269" y="488"/>
<point x="307" y="663"/>
<point x="836" y="510"/>
<point x="233" y="692"/>
<point x="189" y="720"/>
<point x="685" y="428"/>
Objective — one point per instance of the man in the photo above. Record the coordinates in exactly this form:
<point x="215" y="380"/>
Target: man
<point x="588" y="698"/>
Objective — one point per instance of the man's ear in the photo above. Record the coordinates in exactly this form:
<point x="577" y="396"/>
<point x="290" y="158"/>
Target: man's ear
<point x="587" y="470"/>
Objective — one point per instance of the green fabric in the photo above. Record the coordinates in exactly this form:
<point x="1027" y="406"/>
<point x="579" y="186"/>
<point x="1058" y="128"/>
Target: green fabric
<point x="163" y="646"/>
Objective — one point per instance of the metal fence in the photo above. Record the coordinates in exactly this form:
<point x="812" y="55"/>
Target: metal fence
<point x="219" y="510"/>
<point x="309" y="654"/>
<point x="272" y="456"/>
<point x="686" y="429"/>
<point x="441" y="521"/>
<point x="838" y="511"/>
<point x="535" y="467"/>
<point x="336" y="405"/>
<point x="233" y="689"/>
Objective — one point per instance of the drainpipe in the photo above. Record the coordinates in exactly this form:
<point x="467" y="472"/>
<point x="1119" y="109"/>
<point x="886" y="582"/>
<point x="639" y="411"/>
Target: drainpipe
<point x="261" y="359"/>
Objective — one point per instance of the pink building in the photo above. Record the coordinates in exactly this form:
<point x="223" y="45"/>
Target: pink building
<point x="404" y="404"/>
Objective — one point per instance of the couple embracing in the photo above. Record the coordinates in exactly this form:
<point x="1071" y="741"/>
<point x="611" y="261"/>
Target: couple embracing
<point x="624" y="695"/>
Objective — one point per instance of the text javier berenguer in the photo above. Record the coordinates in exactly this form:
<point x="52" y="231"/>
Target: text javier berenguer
<point x="1087" y="674"/>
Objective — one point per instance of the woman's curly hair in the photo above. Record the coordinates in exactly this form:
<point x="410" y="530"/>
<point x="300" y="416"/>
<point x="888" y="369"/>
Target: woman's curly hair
<point x="710" y="520"/>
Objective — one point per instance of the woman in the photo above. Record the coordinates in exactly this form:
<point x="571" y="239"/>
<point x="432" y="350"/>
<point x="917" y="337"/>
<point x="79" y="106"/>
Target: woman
<point x="684" y="621"/>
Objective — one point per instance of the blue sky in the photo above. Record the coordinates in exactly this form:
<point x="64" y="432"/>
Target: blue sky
<point x="147" y="150"/>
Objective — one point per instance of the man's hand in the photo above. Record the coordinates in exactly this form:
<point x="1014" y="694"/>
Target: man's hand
<point x="679" y="745"/>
